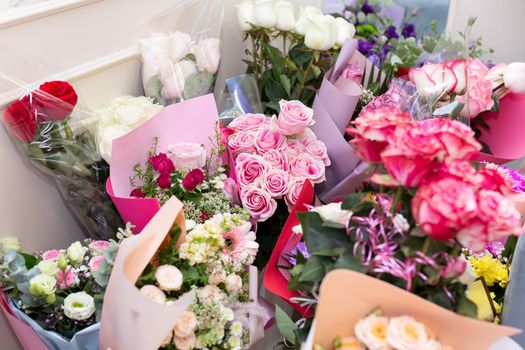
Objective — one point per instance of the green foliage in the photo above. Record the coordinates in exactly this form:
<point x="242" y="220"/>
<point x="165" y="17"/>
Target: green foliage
<point x="285" y="325"/>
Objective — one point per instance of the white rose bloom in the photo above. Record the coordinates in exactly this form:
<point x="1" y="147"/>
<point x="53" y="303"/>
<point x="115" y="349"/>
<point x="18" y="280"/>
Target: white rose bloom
<point x="334" y="213"/>
<point x="106" y="137"/>
<point x="401" y="223"/>
<point x="155" y="50"/>
<point x="264" y="13"/>
<point x="9" y="243"/>
<point x="76" y="252"/>
<point x="180" y="46"/>
<point x="79" y="306"/>
<point x="173" y="77"/>
<point x="514" y="77"/>
<point x="405" y="333"/>
<point x="169" y="277"/>
<point x="153" y="293"/>
<point x="245" y="15"/>
<point x="218" y="275"/>
<point x="210" y="294"/>
<point x="321" y="34"/>
<point x="186" y="325"/>
<point x="285" y="15"/>
<point x="306" y="14"/>
<point x="208" y="55"/>
<point x="48" y="267"/>
<point x="468" y="276"/>
<point x="371" y="331"/>
<point x="233" y="283"/>
<point x="345" y="30"/>
<point x="42" y="285"/>
<point x="185" y="343"/>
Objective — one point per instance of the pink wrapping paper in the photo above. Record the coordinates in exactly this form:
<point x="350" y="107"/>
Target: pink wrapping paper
<point x="189" y="121"/>
<point x="26" y="335"/>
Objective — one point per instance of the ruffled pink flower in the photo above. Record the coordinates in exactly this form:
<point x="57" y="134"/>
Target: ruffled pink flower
<point x="66" y="278"/>
<point x="307" y="167"/>
<point x="494" y="179"/>
<point x="98" y="247"/>
<point x="249" y="168"/>
<point x="394" y="98"/>
<point x="317" y="149"/>
<point x="52" y="254"/>
<point x="241" y="244"/>
<point x="293" y="118"/>
<point x="276" y="182"/>
<point x="258" y="203"/>
<point x="267" y="139"/>
<point x="249" y="122"/>
<point x="296" y="186"/>
<point x="476" y="70"/>
<point x="242" y="142"/>
<point x="477" y="99"/>
<point x="94" y="263"/>
<point x="277" y="159"/>
<point x="460" y="170"/>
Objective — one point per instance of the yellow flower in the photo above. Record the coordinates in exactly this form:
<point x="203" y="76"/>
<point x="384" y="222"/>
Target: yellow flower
<point x="476" y="293"/>
<point x="491" y="269"/>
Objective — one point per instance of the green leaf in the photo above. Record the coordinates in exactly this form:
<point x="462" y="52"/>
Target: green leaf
<point x="495" y="98"/>
<point x="349" y="262"/>
<point x="352" y="200"/>
<point x="285" y="82"/>
<point x="30" y="261"/>
<point x="274" y="90"/>
<point x="467" y="307"/>
<point x="275" y="56"/>
<point x="317" y="71"/>
<point x="314" y="270"/>
<point x="318" y="237"/>
<point x="285" y="325"/>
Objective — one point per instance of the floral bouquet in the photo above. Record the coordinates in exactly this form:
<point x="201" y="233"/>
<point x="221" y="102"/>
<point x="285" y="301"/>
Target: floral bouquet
<point x="271" y="159"/>
<point x="55" y="297"/>
<point x="289" y="53"/>
<point x="359" y="312"/>
<point x="191" y="286"/>
<point x="181" y="53"/>
<point x="52" y="131"/>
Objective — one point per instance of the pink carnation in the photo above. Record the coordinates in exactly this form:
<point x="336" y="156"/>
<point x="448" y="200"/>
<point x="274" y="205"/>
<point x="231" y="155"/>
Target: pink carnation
<point x="98" y="246"/>
<point x="66" y="278"/>
<point x="249" y="122"/>
<point x="249" y="168"/>
<point x="267" y="139"/>
<point x="258" y="202"/>
<point x="51" y="254"/>
<point x="94" y="263"/>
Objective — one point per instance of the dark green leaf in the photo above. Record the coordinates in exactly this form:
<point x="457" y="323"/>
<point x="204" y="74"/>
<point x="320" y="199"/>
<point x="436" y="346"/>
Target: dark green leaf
<point x="30" y="261"/>
<point x="285" y="325"/>
<point x="467" y="307"/>
<point x="314" y="270"/>
<point x="275" y="56"/>
<point x="349" y="262"/>
<point x="352" y="200"/>
<point x="274" y="90"/>
<point x="318" y="237"/>
<point x="285" y="82"/>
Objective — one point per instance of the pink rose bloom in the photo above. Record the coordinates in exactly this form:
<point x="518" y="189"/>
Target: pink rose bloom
<point x="306" y="134"/>
<point x="52" y="254"/>
<point x="277" y="159"/>
<point x="225" y="133"/>
<point x="242" y="142"/>
<point x="457" y="138"/>
<point x="294" y="117"/>
<point x="249" y="122"/>
<point x="442" y="207"/>
<point x="477" y="99"/>
<point x="394" y="98"/>
<point x="94" y="263"/>
<point x="231" y="189"/>
<point x="187" y="155"/>
<point x="249" y="168"/>
<point x="267" y="139"/>
<point x="296" y="146"/>
<point x="307" y="167"/>
<point x="413" y="155"/>
<point x="296" y="186"/>
<point x="476" y="70"/>
<point x="276" y="182"/>
<point x="258" y="202"/>
<point x="435" y="79"/>
<point x="497" y="219"/>
<point x="317" y="149"/>
<point x="66" y="278"/>
<point x="98" y="247"/>
<point x="352" y="72"/>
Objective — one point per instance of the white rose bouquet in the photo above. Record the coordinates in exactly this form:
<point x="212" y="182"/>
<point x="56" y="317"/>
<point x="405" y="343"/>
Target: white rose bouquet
<point x="58" y="290"/>
<point x="176" y="68"/>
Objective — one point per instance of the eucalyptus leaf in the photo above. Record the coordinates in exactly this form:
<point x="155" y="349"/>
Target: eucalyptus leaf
<point x="198" y="84"/>
<point x="152" y="89"/>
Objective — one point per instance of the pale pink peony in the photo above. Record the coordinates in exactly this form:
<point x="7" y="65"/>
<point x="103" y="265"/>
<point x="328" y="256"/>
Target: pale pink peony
<point x="52" y="254"/>
<point x="66" y="278"/>
<point x="249" y="168"/>
<point x="317" y="149"/>
<point x="307" y="167"/>
<point x="98" y="247"/>
<point x="94" y="263"/>
<point x="442" y="207"/>
<point x="294" y="117"/>
<point x="267" y="139"/>
<point x="276" y="182"/>
<point x="296" y="186"/>
<point x="242" y="142"/>
<point x="277" y="159"/>
<point x="249" y="122"/>
<point x="258" y="202"/>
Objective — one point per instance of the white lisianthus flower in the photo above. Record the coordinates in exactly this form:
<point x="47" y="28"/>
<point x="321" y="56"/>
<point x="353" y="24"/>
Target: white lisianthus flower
<point x="345" y="30"/>
<point x="245" y="15"/>
<point x="321" y="34"/>
<point x="153" y="293"/>
<point x="401" y="223"/>
<point x="514" y="77"/>
<point x="236" y="328"/>
<point x="265" y="14"/>
<point x="227" y="314"/>
<point x="306" y="15"/>
<point x="334" y="213"/>
<point x="285" y="15"/>
<point x="42" y="285"/>
<point x="48" y="267"/>
<point x="234" y="343"/>
<point x="169" y="277"/>
<point x="186" y="325"/>
<point x="79" y="306"/>
<point x="185" y="343"/>
<point x="405" y="333"/>
<point x="9" y="243"/>
<point x="233" y="283"/>
<point x="75" y="252"/>
<point x="190" y="224"/>
<point x="371" y="331"/>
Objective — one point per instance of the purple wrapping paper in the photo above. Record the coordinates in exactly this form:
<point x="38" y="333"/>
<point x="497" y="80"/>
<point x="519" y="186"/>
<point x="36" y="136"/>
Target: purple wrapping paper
<point x="333" y="108"/>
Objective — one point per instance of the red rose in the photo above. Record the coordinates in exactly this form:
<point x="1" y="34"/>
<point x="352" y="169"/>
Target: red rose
<point x="225" y="134"/>
<point x="55" y="100"/>
<point x="164" y="181"/>
<point x="162" y="164"/>
<point x="137" y="193"/>
<point x="20" y="120"/>
<point x="193" y="179"/>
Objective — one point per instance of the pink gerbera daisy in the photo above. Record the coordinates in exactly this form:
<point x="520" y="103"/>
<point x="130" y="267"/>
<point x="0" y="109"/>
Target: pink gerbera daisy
<point x="240" y="244"/>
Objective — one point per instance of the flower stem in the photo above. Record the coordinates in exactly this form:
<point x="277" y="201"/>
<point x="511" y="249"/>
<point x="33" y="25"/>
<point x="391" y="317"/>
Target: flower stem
<point x="305" y="78"/>
<point x="397" y="199"/>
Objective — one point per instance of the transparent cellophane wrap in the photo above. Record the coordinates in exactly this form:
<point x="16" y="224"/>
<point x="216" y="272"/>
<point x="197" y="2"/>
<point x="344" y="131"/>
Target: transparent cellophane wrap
<point x="130" y="320"/>
<point x="56" y="138"/>
<point x="180" y="50"/>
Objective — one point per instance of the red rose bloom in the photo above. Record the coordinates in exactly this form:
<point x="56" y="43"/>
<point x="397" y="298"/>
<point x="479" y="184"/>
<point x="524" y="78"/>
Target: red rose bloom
<point x="162" y="164"/>
<point x="137" y="193"/>
<point x="20" y="121"/>
<point x="164" y="181"/>
<point x="193" y="179"/>
<point x="55" y="100"/>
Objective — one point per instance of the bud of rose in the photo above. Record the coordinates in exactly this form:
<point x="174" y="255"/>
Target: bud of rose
<point x="245" y="15"/>
<point x="233" y="283"/>
<point x="62" y="262"/>
<point x="186" y="324"/>
<point x="265" y="14"/>
<point x="76" y="252"/>
<point x="321" y="34"/>
<point x="169" y="277"/>
<point x="153" y="293"/>
<point x="285" y="15"/>
<point x="193" y="179"/>
<point x="137" y="193"/>
<point x="164" y="181"/>
<point x="48" y="267"/>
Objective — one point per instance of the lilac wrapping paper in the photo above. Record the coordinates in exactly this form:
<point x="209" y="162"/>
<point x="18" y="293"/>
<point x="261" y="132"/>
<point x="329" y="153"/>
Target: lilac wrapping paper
<point x="333" y="108"/>
<point x="514" y="305"/>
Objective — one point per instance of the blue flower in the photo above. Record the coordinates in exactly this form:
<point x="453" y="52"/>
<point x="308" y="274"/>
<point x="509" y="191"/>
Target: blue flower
<point x="391" y="32"/>
<point x="365" y="47"/>
<point x="367" y="8"/>
<point x="409" y="30"/>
